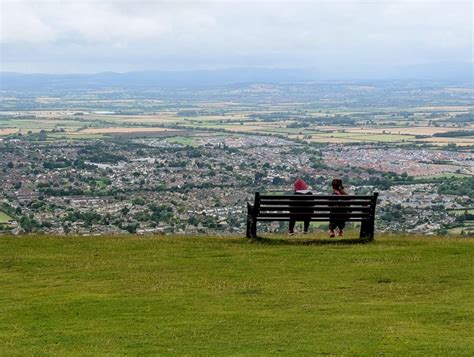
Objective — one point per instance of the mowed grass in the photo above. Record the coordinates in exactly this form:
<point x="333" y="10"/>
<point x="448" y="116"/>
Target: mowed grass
<point x="225" y="296"/>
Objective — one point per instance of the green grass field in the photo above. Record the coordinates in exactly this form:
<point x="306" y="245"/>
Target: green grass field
<point x="365" y="137"/>
<point x="461" y="211"/>
<point x="75" y="136"/>
<point x="183" y="140"/>
<point x="4" y="218"/>
<point x="130" y="295"/>
<point x="443" y="175"/>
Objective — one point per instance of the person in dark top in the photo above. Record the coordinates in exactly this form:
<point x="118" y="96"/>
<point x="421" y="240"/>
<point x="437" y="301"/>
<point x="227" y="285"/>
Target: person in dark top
<point x="300" y="188"/>
<point x="339" y="223"/>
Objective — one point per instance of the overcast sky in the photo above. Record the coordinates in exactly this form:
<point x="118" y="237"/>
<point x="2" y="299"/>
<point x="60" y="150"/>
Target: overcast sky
<point x="106" y="35"/>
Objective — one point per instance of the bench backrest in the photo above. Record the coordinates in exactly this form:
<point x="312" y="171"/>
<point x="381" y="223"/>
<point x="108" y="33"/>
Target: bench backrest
<point x="319" y="208"/>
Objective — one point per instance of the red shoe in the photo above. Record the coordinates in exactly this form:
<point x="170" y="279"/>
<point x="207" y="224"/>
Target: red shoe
<point x="332" y="234"/>
<point x="341" y="233"/>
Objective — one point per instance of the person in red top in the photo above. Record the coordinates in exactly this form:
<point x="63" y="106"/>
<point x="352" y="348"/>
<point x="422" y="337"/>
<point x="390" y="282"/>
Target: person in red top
<point x="300" y="188"/>
<point x="338" y="190"/>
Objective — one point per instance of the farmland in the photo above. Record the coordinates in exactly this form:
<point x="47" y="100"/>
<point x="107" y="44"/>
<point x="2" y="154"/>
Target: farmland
<point x="306" y="115"/>
<point x="90" y="124"/>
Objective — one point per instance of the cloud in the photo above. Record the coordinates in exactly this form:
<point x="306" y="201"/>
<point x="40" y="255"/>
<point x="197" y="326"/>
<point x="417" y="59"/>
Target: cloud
<point x="174" y="34"/>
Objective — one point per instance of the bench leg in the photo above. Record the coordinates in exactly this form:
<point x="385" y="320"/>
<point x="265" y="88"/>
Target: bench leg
<point x="253" y="231"/>
<point x="251" y="228"/>
<point x="367" y="230"/>
<point x="251" y="223"/>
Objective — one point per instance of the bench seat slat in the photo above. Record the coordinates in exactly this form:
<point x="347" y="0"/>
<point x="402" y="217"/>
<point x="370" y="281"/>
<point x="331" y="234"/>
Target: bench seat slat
<point x="315" y="197"/>
<point x="315" y="203"/>
<point x="316" y="219"/>
<point x="327" y="215"/>
<point x="314" y="208"/>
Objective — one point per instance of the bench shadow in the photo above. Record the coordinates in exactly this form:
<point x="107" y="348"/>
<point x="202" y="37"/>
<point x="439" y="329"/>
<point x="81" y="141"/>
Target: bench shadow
<point x="315" y="241"/>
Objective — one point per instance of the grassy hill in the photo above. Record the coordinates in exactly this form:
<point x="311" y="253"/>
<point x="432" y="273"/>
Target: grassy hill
<point x="225" y="296"/>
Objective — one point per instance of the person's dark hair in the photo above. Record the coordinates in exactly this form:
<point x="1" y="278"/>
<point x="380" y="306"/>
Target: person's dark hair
<point x="337" y="185"/>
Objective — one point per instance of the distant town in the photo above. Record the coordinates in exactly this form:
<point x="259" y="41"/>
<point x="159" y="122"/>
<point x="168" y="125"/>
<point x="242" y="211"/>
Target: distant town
<point x="187" y="162"/>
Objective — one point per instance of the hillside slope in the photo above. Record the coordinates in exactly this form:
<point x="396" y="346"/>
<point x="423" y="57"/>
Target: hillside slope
<point x="226" y="296"/>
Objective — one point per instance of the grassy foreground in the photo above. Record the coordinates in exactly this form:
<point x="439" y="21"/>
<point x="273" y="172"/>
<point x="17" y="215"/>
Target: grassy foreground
<point x="226" y="296"/>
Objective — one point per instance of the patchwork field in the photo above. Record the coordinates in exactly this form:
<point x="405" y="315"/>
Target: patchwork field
<point x="386" y="126"/>
<point x="400" y="295"/>
<point x="408" y="130"/>
<point x="461" y="141"/>
<point x="360" y="137"/>
<point x="119" y="130"/>
<point x="143" y="118"/>
<point x="450" y="108"/>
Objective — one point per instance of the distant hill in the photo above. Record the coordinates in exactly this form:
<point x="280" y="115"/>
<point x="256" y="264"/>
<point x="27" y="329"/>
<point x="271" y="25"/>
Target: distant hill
<point x="458" y="72"/>
<point x="156" y="79"/>
<point x="454" y="71"/>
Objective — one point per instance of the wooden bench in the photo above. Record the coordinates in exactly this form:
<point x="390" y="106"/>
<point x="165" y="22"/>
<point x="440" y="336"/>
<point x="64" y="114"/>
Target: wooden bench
<point x="318" y="208"/>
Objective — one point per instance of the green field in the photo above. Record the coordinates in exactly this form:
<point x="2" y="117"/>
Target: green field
<point x="182" y="140"/>
<point x="225" y="296"/>
<point x="4" y="218"/>
<point x="365" y="137"/>
<point x="462" y="211"/>
<point x="46" y="124"/>
<point x="443" y="175"/>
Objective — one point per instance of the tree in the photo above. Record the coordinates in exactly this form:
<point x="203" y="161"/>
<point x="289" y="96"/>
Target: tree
<point x="193" y="221"/>
<point x="28" y="224"/>
<point x="258" y="177"/>
<point x="138" y="201"/>
<point x="132" y="228"/>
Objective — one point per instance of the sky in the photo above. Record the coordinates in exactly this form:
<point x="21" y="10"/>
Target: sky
<point x="88" y="36"/>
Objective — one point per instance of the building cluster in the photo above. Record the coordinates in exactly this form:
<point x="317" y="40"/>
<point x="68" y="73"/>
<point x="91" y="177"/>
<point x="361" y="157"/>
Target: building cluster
<point x="159" y="186"/>
<point x="418" y="208"/>
<point x="414" y="162"/>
